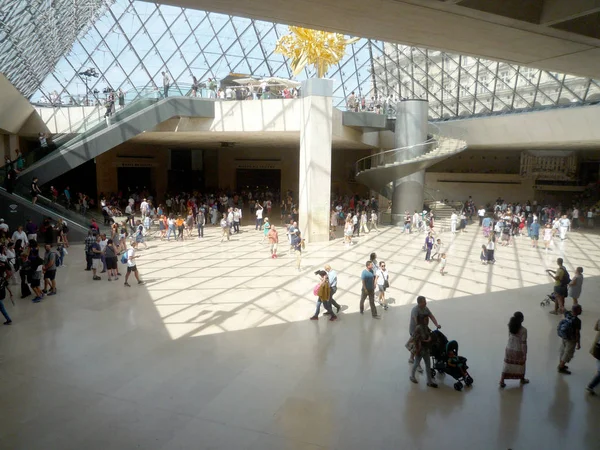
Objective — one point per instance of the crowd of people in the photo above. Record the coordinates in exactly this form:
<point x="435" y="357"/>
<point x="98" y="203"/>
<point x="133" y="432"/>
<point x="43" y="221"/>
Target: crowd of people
<point x="183" y="213"/>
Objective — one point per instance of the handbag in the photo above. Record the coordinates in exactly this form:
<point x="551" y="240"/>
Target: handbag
<point x="386" y="284"/>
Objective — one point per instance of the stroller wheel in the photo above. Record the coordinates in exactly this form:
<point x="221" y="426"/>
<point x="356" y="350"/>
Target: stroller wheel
<point x="468" y="380"/>
<point x="433" y="372"/>
<point x="458" y="386"/>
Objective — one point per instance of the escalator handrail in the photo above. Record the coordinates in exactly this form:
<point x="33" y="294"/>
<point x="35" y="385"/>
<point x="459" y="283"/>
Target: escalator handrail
<point x="46" y="210"/>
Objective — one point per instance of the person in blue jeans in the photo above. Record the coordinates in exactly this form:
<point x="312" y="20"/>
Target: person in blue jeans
<point x="429" y="242"/>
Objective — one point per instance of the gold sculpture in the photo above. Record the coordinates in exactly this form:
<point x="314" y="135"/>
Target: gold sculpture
<point x="311" y="47"/>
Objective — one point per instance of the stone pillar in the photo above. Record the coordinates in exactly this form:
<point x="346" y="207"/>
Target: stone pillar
<point x="411" y="129"/>
<point x="316" y="131"/>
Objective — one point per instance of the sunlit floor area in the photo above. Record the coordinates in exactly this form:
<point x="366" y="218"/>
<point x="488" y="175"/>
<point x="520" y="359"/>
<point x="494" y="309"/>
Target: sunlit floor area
<point x="216" y="351"/>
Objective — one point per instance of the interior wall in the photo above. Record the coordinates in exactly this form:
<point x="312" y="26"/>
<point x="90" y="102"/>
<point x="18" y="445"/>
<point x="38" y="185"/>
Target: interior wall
<point x="157" y="158"/>
<point x="484" y="188"/>
<point x="287" y="158"/>
<point x="481" y="161"/>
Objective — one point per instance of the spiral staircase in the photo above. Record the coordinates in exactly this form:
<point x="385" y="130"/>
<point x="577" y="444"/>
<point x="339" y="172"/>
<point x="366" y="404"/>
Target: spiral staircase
<point x="380" y="170"/>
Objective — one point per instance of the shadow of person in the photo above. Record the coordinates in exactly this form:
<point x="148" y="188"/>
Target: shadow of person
<point x="391" y="300"/>
<point x="559" y="412"/>
<point x="511" y="401"/>
<point x="415" y="414"/>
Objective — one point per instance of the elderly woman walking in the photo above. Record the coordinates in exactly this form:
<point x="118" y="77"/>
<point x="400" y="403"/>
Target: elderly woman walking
<point x="515" y="355"/>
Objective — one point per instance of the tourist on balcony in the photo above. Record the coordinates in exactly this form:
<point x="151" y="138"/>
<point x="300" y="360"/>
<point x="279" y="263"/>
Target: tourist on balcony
<point x="166" y="84"/>
<point x="194" y="86"/>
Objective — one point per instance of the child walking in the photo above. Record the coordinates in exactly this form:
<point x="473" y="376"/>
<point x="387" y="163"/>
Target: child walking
<point x="443" y="263"/>
<point x="483" y="255"/>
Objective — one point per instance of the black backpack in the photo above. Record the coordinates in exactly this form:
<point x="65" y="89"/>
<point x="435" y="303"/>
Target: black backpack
<point x="566" y="279"/>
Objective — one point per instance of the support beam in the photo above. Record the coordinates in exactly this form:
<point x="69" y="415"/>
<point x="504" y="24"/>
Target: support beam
<point x="557" y="11"/>
<point x="316" y="132"/>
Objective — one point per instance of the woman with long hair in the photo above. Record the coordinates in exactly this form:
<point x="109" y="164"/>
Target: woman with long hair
<point x="515" y="355"/>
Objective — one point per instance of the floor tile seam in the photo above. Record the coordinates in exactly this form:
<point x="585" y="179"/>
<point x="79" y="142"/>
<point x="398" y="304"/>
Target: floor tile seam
<point x="251" y="301"/>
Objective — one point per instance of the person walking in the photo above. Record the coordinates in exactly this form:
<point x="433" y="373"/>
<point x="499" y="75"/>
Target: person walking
<point x="4" y="279"/>
<point x="368" y="289"/>
<point x="49" y="270"/>
<point x="422" y="343"/>
<point x="534" y="234"/>
<point x="374" y="221"/>
<point x="237" y="214"/>
<point x="490" y="248"/>
<point x="363" y="222"/>
<point x="259" y="216"/>
<point x="35" y="190"/>
<point x="453" y="222"/>
<point x="569" y="330"/>
<point x="131" y="265"/>
<point x="332" y="275"/>
<point x="110" y="257"/>
<point x="595" y="352"/>
<point x="515" y="354"/>
<point x="225" y="228"/>
<point x="273" y="241"/>
<point x="323" y="296"/>
<point x="89" y="241"/>
<point x="382" y="282"/>
<point x="420" y="309"/>
<point x="96" y="254"/>
<point x="429" y="242"/>
<point x="297" y="246"/>
<point x="200" y="222"/>
<point x="266" y="226"/>
<point x="574" y="288"/>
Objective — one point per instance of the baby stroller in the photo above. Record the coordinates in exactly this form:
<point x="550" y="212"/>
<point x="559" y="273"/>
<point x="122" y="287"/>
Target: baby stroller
<point x="550" y="298"/>
<point x="445" y="360"/>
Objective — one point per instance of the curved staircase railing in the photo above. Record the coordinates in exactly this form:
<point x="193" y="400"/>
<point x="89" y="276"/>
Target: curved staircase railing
<point x="435" y="146"/>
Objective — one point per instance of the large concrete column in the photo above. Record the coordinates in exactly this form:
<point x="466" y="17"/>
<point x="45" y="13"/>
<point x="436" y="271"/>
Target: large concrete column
<point x="411" y="129"/>
<point x="315" y="159"/>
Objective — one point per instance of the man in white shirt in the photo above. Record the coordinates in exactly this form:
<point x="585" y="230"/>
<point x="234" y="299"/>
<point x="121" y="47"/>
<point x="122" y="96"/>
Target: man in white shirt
<point x="590" y="219"/>
<point x="481" y="214"/>
<point x="166" y="83"/>
<point x="575" y="215"/>
<point x="20" y="234"/>
<point x="144" y="208"/>
<point x="259" y="216"/>
<point x="453" y="221"/>
<point x="131" y="264"/>
<point x="563" y="226"/>
<point x="374" y="220"/>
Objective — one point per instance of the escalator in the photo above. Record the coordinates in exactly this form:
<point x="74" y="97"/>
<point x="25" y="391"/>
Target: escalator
<point x="17" y="209"/>
<point x="139" y="116"/>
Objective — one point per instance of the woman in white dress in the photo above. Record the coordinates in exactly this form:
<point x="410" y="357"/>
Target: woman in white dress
<point x="515" y="355"/>
<point x="575" y="285"/>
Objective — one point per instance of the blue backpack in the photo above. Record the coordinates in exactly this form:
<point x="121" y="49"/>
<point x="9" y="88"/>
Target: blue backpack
<point x="565" y="328"/>
<point x="124" y="258"/>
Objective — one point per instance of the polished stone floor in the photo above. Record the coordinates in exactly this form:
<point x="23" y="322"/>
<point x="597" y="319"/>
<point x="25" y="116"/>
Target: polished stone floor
<point x="216" y="351"/>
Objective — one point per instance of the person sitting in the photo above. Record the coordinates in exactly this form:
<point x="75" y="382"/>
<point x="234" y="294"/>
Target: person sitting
<point x="455" y="361"/>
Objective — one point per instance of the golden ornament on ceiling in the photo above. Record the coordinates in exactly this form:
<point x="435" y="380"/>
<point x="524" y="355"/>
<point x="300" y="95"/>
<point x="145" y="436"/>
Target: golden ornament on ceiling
<point x="321" y="49"/>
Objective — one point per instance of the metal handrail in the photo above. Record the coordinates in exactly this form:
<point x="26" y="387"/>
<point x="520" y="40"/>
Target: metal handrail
<point x="390" y="156"/>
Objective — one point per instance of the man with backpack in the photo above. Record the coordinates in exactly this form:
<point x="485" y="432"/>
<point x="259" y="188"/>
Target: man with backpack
<point x="561" y="283"/>
<point x="569" y="329"/>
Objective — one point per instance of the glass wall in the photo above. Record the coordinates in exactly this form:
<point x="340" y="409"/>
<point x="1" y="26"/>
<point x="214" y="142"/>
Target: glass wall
<point x="126" y="44"/>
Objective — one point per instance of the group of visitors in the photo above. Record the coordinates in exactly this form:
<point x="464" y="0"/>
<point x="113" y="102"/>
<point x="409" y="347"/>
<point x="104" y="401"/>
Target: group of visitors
<point x="21" y="253"/>
<point x="380" y="104"/>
